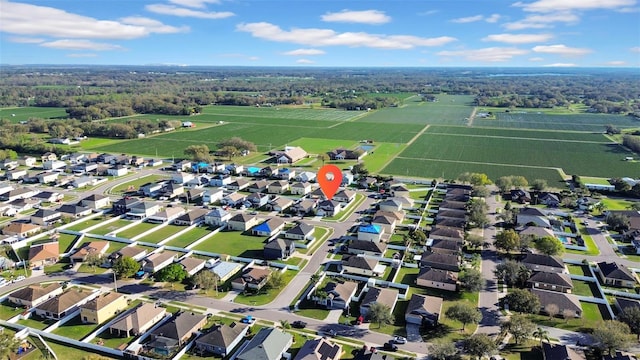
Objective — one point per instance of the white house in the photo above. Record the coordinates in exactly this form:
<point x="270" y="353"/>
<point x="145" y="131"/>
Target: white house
<point x="118" y="170"/>
<point x="370" y="232"/>
<point x="53" y="164"/>
<point x="217" y="217"/>
<point x="212" y="195"/>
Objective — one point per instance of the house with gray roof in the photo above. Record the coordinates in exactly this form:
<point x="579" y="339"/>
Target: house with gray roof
<point x="565" y="302"/>
<point x="217" y="217"/>
<point x="530" y="215"/>
<point x="367" y="247"/>
<point x="618" y="275"/>
<point x="361" y="265"/>
<point x="437" y="279"/>
<point x="440" y="261"/>
<point x="423" y="310"/>
<point x="561" y="352"/>
<point x="222" y="339"/>
<point x="63" y="304"/>
<point x="301" y="231"/>
<point x="279" y="248"/>
<point x="267" y="344"/>
<point x="192" y="217"/>
<point x="551" y="281"/>
<point x="319" y="349"/>
<point x="541" y="262"/>
<point x="442" y="246"/>
<point x="375" y="295"/>
<point x="175" y="333"/>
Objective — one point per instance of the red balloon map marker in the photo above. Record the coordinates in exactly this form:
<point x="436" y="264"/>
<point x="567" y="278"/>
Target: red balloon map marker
<point x="330" y="178"/>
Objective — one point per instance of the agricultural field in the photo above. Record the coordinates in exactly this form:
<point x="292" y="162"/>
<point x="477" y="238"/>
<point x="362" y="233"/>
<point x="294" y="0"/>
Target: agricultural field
<point x="16" y="115"/>
<point x="519" y="134"/>
<point x="229" y="113"/>
<point x="571" y="122"/>
<point x="449" y="109"/>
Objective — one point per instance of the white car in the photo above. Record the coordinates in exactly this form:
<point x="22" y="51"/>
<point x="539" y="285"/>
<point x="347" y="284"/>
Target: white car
<point x="399" y="340"/>
<point x="19" y="278"/>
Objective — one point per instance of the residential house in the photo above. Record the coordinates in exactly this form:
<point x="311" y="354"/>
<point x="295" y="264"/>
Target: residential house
<point x="20" y="229"/>
<point x="211" y="196"/>
<point x="45" y="217"/>
<point x="390" y="204"/>
<point x="171" y="190"/>
<point x="339" y="294"/>
<point x="384" y="296"/>
<point x="167" y="215"/>
<point x="290" y="155"/>
<point x="536" y="232"/>
<point x="74" y="211"/>
<point x="236" y="169"/>
<point x="138" y="321"/>
<point x="552" y="281"/>
<point x="285" y="174"/>
<point x="257" y="200"/>
<point x="21" y="193"/>
<point x="370" y="232"/>
<point x="561" y="352"/>
<point x="143" y="209"/>
<point x="234" y="199"/>
<point x="192" y="217"/>
<point x="361" y="265"/>
<point x="366" y="247"/>
<point x="532" y="216"/>
<point x="304" y="207"/>
<point x="387" y="223"/>
<point x="53" y="164"/>
<point x="520" y="196"/>
<point x="457" y="215"/>
<point x="549" y="199"/>
<point x="84" y="168"/>
<point x="300" y="188"/>
<point x="440" y="261"/>
<point x="253" y="278"/>
<point x="58" y="307"/>
<point x="319" y="349"/>
<point x="225" y="269"/>
<point x="541" y="262"/>
<point x="566" y="303"/>
<point x="301" y="231"/>
<point x="618" y="275"/>
<point x="222" y="339"/>
<point x="279" y="248"/>
<point x="48" y="196"/>
<point x="192" y="265"/>
<point x="242" y="222"/>
<point x="132" y="251"/>
<point x="103" y="307"/>
<point x="47" y="177"/>
<point x="152" y="189"/>
<point x="267" y="344"/>
<point x="176" y="332"/>
<point x="238" y="185"/>
<point x="306" y="176"/>
<point x="344" y="196"/>
<point x="83" y="181"/>
<point x="15" y="175"/>
<point x="217" y="217"/>
<point x="124" y="205"/>
<point x="328" y="208"/>
<point x="347" y="178"/>
<point x="367" y="182"/>
<point x="278" y="187"/>
<point x="96" y="201"/>
<point x="182" y="177"/>
<point x="259" y="186"/>
<point x="268" y="228"/>
<point x="423" y="310"/>
<point x="441" y="246"/>
<point x="451" y="222"/>
<point x="622" y="303"/>
<point x="157" y="261"/>
<point x="27" y="160"/>
<point x="346" y="154"/>
<point x="437" y="279"/>
<point x="280" y="204"/>
<point x="447" y="233"/>
<point x="400" y="190"/>
<point x="43" y="254"/>
<point x="92" y="248"/>
<point x="48" y="156"/>
<point x="117" y="170"/>
<point x="220" y="180"/>
<point x="35" y="294"/>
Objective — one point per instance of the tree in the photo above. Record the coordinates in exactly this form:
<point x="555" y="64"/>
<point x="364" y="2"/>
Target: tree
<point x="503" y="183"/>
<point x="541" y="334"/>
<point x="198" y="153"/>
<point x="380" y="314"/>
<point x="618" y="221"/>
<point x="508" y="271"/>
<point x="568" y="314"/>
<point x="481" y="191"/>
<point x="474" y="241"/>
<point x="471" y="280"/>
<point x="126" y="267"/>
<point x="549" y="245"/>
<point x="206" y="280"/>
<point x="612" y="335"/>
<point x="172" y="273"/>
<point x="323" y="157"/>
<point x="93" y="259"/>
<point x="478" y="212"/>
<point x="238" y="143"/>
<point x="635" y="206"/>
<point x="419" y="236"/>
<point x="524" y="273"/>
<point x="631" y="317"/>
<point x="228" y="151"/>
<point x="539" y="184"/>
<point x="442" y="350"/>
<point x="519" y="181"/>
<point x="519" y="326"/>
<point x="359" y="170"/>
<point x="285" y="324"/>
<point x="522" y="301"/>
<point x="479" y="345"/>
<point x="507" y="240"/>
<point x="276" y="280"/>
<point x="552" y="310"/>
<point x="465" y="313"/>
<point x="8" y="344"/>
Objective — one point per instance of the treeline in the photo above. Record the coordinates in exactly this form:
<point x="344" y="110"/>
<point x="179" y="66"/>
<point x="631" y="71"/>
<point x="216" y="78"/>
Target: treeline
<point x="632" y="142"/>
<point x="119" y="130"/>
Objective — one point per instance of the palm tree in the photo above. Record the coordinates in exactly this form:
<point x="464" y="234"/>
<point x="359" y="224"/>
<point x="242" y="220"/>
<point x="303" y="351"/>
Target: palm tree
<point x="600" y="207"/>
<point x="541" y="334"/>
<point x="323" y="157"/>
<point x="523" y="275"/>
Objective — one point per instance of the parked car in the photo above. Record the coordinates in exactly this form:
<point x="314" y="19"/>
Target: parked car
<point x="19" y="278"/>
<point x="248" y="320"/>
<point x="389" y="346"/>
<point x="399" y="340"/>
<point x="299" y="324"/>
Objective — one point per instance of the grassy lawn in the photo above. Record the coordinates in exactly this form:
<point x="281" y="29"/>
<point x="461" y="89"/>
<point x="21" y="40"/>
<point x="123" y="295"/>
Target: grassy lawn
<point x="64" y="241"/>
<point x="35" y="322"/>
<point x="135" y="184"/>
<point x="84" y="268"/>
<point x="616" y="204"/>
<point x="376" y="160"/>
<point x="359" y="199"/>
<point x="265" y="297"/>
<point x="75" y="329"/>
<point x="234" y="243"/>
<point x="318" y="314"/>
<point x="592" y="249"/>
<point x="136" y="230"/>
<point x="581" y="270"/>
<point x="319" y="233"/>
<point x="162" y="234"/>
<point x="585" y="288"/>
<point x="592" y="315"/>
<point x="103" y="230"/>
<point x="7" y="311"/>
<point x="64" y="351"/>
<point x="189" y="237"/>
<point x="55" y="268"/>
<point x="111" y="341"/>
<point x="87" y="223"/>
<point x="526" y="350"/>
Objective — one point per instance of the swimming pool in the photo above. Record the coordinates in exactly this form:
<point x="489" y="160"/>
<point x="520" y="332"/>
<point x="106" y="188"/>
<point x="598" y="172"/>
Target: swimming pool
<point x="564" y="239"/>
<point x="366" y="147"/>
<point x="253" y="169"/>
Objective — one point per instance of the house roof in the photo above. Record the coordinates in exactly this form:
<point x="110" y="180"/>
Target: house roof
<point x="218" y="212"/>
<point x="544" y="260"/>
<point x="160" y="257"/>
<point x="269" y="225"/>
<point x="180" y="325"/>
<point x="552" y="278"/>
<point x="439" y="258"/>
<point x="531" y="211"/>
<point x="344" y="290"/>
<point x="129" y="251"/>
<point x="301" y="185"/>
<point x="385" y="296"/>
<point x="139" y="317"/>
<point x="43" y="213"/>
<point x="384" y="220"/>
<point x="35" y="291"/>
<point x="345" y="194"/>
<point x="283" y="202"/>
<point x="423" y="305"/>
<point x="616" y="271"/>
<point x="398" y="215"/>
<point x="278" y="244"/>
<point x="19" y="228"/>
<point x="267" y="344"/>
<point x="370" y="229"/>
<point x="444" y="244"/>
<point x="193" y="215"/>
<point x="44" y="251"/>
<point x="444" y="231"/>
<point x="190" y="263"/>
<point x="242" y="217"/>
<point x="167" y="213"/>
<point x="279" y="183"/>
<point x="562" y="300"/>
<point x="73" y="209"/>
<point x="438" y="275"/>
<point x="102" y="301"/>
<point x="561" y="352"/>
<point x="391" y="202"/>
<point x="537" y="231"/>
<point x="450" y="204"/>
<point x="64" y="301"/>
<point x="319" y="349"/>
<point x="223" y="335"/>
<point x="359" y="262"/>
<point x="94" y="197"/>
<point x="624" y="303"/>
<point x="257" y="273"/>
<point x="619" y="355"/>
<point x="90" y="248"/>
<point x="449" y="213"/>
<point x="366" y="245"/>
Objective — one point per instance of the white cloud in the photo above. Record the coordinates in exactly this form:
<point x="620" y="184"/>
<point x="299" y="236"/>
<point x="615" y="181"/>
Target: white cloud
<point x="615" y="63"/>
<point x="635" y="49"/>
<point x="373" y="17"/>
<point x="68" y="44"/>
<point x="34" y="20"/>
<point x="194" y="3"/>
<point x="560" y="49"/>
<point x="548" y="6"/>
<point x="87" y="55"/>
<point x="154" y="26"/>
<point x="493" y="18"/>
<point x="542" y="21"/>
<point x="468" y="19"/>
<point x="536" y="59"/>
<point x="184" y="12"/>
<point x="328" y="37"/>
<point x="25" y="40"/>
<point x="304" y="52"/>
<point x="560" y="65"/>
<point x="304" y="61"/>
<point x="492" y="54"/>
<point x="518" y="38"/>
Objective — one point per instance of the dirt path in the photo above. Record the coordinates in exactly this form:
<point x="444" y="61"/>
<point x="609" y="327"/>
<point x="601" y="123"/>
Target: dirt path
<point x="417" y="135"/>
<point x="472" y="116"/>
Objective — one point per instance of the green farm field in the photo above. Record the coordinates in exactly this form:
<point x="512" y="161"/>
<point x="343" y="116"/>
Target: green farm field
<point x="24" y="113"/>
<point x="518" y="133"/>
<point x="315" y="114"/>
<point x="570" y="122"/>
<point x="450" y="109"/>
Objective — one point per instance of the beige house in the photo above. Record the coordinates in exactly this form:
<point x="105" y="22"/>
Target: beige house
<point x="437" y="279"/>
<point x="98" y="248"/>
<point x="242" y="222"/>
<point x="64" y="304"/>
<point x="34" y="295"/>
<point x="102" y="308"/>
<point x="22" y="230"/>
<point x="138" y="321"/>
<point x="44" y="254"/>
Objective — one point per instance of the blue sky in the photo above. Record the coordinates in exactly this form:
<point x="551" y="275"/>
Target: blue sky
<point x="421" y="33"/>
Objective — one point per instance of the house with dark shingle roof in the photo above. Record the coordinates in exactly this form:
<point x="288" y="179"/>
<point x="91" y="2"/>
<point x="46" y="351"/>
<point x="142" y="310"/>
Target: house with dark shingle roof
<point x="561" y="352"/>
<point x="441" y="246"/>
<point x="267" y="344"/>
<point x="257" y="200"/>
<point x="541" y="262"/>
<point x="35" y="294"/>
<point x="279" y="248"/>
<point x="302" y="231"/>
<point x="361" y="265"/>
<point x="74" y="211"/>
<point x="174" y="333"/>
<point x="440" y="261"/>
<point x="339" y="294"/>
<point x="447" y="233"/>
<point x="564" y="301"/>
<point x="530" y="215"/>
<point x="624" y="303"/>
<point x="138" y="321"/>
<point x="437" y="279"/>
<point x="63" y="304"/>
<point x="423" y="310"/>
<point x="366" y="247"/>
<point x="222" y="339"/>
<point x="537" y="232"/>
<point x="319" y="349"/>
<point x="46" y="217"/>
<point x="614" y="274"/>
<point x="375" y="295"/>
<point x="551" y="281"/>
<point x="192" y="217"/>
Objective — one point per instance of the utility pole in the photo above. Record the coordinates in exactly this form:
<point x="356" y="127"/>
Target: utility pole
<point x="115" y="283"/>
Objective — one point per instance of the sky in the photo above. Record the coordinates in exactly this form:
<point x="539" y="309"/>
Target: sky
<point x="322" y="33"/>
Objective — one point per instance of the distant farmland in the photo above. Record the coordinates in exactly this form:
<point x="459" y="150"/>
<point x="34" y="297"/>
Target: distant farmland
<point x="450" y="109"/>
<point x="542" y="121"/>
<point x="24" y="113"/>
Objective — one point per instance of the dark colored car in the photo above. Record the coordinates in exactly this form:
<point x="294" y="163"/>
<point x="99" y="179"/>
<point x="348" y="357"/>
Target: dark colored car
<point x="299" y="324"/>
<point x="390" y="346"/>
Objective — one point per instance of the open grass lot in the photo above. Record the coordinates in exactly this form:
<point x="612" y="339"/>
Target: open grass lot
<point x="592" y="315"/>
<point x="113" y="226"/>
<point x="64" y="241"/>
<point x="189" y="237"/>
<point x="382" y="155"/>
<point x="434" y="168"/>
<point x="161" y="234"/>
<point x="519" y="133"/>
<point x="265" y="297"/>
<point x="87" y="223"/>
<point x="64" y="351"/>
<point x="136" y="230"/>
<point x="7" y="310"/>
<point x="234" y="243"/>
<point x="113" y="245"/>
<point x="572" y="122"/>
<point x="616" y="203"/>
<point x="75" y="329"/>
<point x="227" y="113"/>
<point x="24" y="113"/>
<point x="527" y="350"/>
<point x="581" y="270"/>
<point x="450" y="109"/>
<point x="111" y="341"/>
<point x="136" y="183"/>
<point x="318" y="146"/>
<point x="36" y="323"/>
<point x="585" y="288"/>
